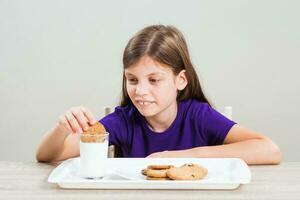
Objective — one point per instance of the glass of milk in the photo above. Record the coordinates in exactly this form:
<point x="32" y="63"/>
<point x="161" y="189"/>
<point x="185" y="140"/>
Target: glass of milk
<point x="93" y="155"/>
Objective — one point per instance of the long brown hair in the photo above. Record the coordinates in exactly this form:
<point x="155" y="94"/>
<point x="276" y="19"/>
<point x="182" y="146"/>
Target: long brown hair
<point x="164" y="44"/>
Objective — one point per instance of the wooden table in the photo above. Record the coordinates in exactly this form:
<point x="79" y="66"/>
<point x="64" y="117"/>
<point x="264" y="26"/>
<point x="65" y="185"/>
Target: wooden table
<point x="28" y="180"/>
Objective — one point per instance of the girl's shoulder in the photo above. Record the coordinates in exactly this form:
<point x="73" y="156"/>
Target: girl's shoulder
<point x="193" y="105"/>
<point x="193" y="109"/>
<point x="127" y="111"/>
<point x="122" y="113"/>
<point x="120" y="119"/>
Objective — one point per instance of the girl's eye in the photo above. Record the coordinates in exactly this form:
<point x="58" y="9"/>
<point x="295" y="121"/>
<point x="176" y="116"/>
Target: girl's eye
<point x="154" y="80"/>
<point x="132" y="80"/>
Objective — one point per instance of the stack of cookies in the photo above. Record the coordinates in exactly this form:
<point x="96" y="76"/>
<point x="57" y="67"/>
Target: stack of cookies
<point x="188" y="171"/>
<point x="95" y="133"/>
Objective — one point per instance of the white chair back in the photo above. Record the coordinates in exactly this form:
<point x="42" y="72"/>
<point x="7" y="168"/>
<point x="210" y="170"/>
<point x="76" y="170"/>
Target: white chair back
<point x="111" y="148"/>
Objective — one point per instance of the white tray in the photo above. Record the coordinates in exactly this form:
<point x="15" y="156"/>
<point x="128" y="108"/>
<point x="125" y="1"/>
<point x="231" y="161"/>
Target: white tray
<point x="125" y="173"/>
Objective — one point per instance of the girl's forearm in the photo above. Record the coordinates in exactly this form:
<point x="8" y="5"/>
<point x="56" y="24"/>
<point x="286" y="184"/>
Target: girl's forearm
<point x="51" y="145"/>
<point x="254" y="151"/>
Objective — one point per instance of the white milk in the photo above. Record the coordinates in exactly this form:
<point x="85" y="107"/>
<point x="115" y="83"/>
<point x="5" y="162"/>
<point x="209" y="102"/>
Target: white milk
<point x="93" y="159"/>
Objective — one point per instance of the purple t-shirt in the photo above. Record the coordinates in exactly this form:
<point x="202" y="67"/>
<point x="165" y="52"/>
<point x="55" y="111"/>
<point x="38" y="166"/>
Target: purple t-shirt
<point x="196" y="124"/>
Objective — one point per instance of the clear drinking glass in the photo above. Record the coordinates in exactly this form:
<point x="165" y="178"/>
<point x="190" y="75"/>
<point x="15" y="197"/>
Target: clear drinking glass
<point x="93" y="155"/>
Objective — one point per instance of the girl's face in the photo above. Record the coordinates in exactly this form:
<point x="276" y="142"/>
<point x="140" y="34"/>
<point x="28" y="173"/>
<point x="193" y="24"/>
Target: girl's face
<point x="152" y="86"/>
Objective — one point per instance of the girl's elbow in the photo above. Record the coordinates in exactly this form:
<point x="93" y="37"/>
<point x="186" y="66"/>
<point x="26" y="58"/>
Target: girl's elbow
<point x="276" y="155"/>
<point x="40" y="158"/>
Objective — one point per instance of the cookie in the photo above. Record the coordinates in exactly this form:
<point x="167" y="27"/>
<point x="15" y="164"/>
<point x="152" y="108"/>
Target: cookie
<point x="94" y="134"/>
<point x="187" y="172"/>
<point x="160" y="166"/>
<point x="96" y="128"/>
<point x="156" y="179"/>
<point x="144" y="172"/>
<point x="157" y="173"/>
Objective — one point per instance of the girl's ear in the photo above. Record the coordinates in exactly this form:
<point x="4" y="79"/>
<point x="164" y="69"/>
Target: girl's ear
<point x="181" y="80"/>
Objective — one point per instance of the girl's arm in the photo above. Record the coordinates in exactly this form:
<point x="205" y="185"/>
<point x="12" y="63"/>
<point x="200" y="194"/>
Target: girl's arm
<point x="58" y="145"/>
<point x="240" y="142"/>
<point x="63" y="141"/>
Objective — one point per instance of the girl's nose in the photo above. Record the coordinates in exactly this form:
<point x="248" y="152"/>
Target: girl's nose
<point x="141" y="89"/>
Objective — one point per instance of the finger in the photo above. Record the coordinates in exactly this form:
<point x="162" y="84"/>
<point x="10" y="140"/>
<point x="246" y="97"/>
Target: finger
<point x="69" y="125"/>
<point x="64" y="123"/>
<point x="88" y="114"/>
<point x="81" y="119"/>
<point x="73" y="122"/>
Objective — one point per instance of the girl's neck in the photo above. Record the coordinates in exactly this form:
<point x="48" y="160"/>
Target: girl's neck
<point x="163" y="120"/>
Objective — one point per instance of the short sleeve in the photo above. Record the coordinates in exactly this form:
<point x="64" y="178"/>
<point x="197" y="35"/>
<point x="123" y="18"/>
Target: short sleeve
<point x="114" y="126"/>
<point x="215" y="126"/>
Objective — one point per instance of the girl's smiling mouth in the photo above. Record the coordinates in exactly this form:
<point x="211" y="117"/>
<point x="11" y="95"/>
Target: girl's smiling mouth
<point x="144" y="103"/>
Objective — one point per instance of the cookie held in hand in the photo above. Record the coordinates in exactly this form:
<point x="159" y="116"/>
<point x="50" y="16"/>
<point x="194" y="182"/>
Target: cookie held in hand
<point x="94" y="134"/>
<point x="96" y="128"/>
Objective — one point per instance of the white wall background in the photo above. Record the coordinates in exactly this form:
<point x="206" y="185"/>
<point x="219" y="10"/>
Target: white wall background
<point x="57" y="54"/>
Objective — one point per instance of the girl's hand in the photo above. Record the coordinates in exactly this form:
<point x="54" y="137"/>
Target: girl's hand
<point x="76" y="120"/>
<point x="162" y="154"/>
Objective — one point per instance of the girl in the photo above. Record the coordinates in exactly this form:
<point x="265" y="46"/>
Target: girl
<point x="163" y="111"/>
